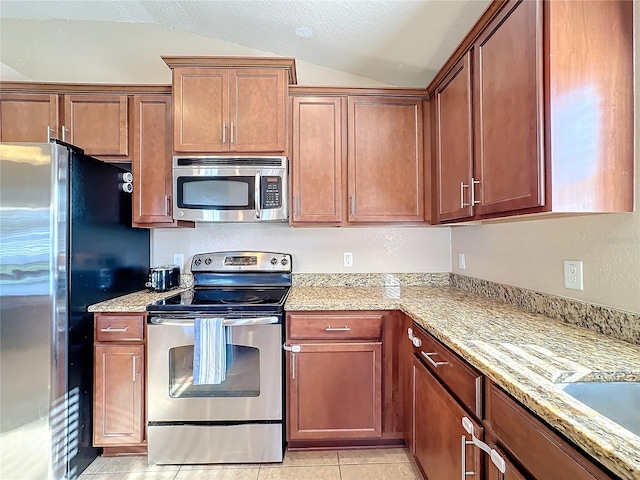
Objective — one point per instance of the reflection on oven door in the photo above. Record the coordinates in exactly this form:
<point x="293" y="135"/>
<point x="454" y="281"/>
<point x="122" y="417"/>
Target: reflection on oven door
<point x="252" y="389"/>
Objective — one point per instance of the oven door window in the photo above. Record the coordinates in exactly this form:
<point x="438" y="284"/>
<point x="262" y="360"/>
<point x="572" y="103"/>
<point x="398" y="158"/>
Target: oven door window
<point x="216" y="193"/>
<point x="242" y="379"/>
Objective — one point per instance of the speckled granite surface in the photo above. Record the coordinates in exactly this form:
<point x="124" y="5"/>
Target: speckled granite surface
<point x="617" y="323"/>
<point x="134" y="302"/>
<point x="526" y="354"/>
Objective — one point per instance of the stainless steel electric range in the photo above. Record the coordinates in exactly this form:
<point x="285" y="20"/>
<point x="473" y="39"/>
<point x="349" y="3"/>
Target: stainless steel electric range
<point x="238" y="420"/>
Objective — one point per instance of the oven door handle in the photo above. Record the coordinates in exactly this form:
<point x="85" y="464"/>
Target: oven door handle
<point x="227" y="322"/>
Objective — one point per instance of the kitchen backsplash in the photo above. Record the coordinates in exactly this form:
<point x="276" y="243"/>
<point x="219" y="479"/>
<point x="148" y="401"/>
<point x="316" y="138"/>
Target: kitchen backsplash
<point x="371" y="279"/>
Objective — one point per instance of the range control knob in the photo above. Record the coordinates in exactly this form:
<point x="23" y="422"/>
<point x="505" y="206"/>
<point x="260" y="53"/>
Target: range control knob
<point x="197" y="261"/>
<point x="284" y="261"/>
<point x="274" y="261"/>
<point x="208" y="261"/>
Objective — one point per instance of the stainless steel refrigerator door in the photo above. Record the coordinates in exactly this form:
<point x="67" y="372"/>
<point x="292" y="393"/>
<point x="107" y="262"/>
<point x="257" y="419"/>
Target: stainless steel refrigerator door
<point x="33" y="317"/>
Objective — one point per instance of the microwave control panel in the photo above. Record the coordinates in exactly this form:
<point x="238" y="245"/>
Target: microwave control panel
<point x="271" y="193"/>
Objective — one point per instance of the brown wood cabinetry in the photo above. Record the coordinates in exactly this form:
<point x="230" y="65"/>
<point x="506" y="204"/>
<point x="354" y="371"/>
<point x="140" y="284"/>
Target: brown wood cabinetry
<point x="440" y="442"/>
<point x="28" y="117"/>
<point x="358" y="156"/>
<point x="540" y="451"/>
<point x="386" y="176"/>
<point x="230" y="104"/>
<point x="151" y="165"/>
<point x="542" y="142"/>
<point x="99" y="124"/>
<point x="319" y="156"/>
<point x="119" y="381"/>
<point x="343" y="379"/>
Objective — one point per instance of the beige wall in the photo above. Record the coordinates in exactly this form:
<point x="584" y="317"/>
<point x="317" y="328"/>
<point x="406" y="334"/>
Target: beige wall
<point x="375" y="249"/>
<point x="530" y="254"/>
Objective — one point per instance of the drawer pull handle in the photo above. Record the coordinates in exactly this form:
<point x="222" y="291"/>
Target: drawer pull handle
<point x="337" y="329"/>
<point x="110" y="329"/>
<point x="431" y="361"/>
<point x="415" y="340"/>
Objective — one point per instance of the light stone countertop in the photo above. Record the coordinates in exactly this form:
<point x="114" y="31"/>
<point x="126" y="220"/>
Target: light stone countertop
<point x="524" y="353"/>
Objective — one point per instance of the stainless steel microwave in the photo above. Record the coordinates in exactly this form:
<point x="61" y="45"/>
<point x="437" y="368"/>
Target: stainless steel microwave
<point x="230" y="189"/>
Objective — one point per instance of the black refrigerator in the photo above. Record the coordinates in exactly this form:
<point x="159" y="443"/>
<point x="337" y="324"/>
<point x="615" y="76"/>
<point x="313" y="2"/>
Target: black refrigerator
<point x="66" y="242"/>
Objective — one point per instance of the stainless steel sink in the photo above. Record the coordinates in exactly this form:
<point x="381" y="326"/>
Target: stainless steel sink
<point x="618" y="401"/>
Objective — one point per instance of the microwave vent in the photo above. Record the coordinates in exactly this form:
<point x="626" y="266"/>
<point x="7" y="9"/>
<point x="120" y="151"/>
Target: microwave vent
<point x="226" y="162"/>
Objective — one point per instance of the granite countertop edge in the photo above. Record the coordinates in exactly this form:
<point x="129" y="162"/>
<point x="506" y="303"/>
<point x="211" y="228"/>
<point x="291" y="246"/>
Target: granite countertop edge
<point x="456" y="318"/>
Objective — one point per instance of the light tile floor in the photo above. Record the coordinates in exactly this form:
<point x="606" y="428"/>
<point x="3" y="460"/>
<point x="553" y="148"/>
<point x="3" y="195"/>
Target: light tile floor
<point x="369" y="464"/>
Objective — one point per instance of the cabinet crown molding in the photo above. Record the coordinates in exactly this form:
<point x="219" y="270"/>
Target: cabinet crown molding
<point x="286" y="63"/>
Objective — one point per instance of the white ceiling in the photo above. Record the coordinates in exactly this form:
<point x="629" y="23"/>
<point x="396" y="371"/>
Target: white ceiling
<point x="395" y="42"/>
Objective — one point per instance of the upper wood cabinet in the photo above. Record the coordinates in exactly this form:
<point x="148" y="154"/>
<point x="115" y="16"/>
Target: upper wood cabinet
<point x="357" y="156"/>
<point x="552" y="123"/>
<point x="230" y="104"/>
<point x="151" y="163"/>
<point x="319" y="159"/>
<point x="99" y="124"/>
<point x="385" y="158"/>
<point x="28" y="117"/>
<point x="453" y="114"/>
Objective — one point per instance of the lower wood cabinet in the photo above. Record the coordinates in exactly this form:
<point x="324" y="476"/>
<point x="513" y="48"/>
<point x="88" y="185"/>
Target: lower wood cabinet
<point x="343" y="379"/>
<point x="441" y="443"/>
<point x="335" y="391"/>
<point x="119" y="381"/>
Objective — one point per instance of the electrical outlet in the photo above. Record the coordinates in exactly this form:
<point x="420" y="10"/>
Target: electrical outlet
<point x="178" y="259"/>
<point x="573" y="274"/>
<point x="348" y="259"/>
<point x="461" y="261"/>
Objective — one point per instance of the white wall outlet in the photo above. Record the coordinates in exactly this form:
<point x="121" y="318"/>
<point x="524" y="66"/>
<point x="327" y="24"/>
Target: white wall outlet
<point x="461" y="261"/>
<point x="178" y="259"/>
<point x="348" y="259"/>
<point x="573" y="274"/>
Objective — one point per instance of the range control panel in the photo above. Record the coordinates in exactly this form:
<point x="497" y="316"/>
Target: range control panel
<point x="241" y="261"/>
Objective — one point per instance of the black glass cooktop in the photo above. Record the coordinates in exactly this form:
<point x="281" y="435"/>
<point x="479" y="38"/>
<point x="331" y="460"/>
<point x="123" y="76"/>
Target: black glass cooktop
<point x="225" y="299"/>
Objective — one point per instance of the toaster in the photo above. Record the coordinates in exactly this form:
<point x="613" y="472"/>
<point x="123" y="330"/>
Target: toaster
<point x="163" y="278"/>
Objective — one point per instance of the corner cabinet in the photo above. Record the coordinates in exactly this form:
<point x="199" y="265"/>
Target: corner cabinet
<point x="119" y="382"/>
<point x="230" y="104"/>
<point x="527" y="90"/>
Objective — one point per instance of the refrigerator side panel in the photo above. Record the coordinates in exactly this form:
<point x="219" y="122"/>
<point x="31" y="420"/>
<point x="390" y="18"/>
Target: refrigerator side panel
<point x="107" y="259"/>
<point x="33" y="313"/>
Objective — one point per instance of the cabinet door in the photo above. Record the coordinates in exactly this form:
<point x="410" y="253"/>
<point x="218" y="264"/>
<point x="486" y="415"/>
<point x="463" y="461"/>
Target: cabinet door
<point x="386" y="181"/>
<point x="335" y="391"/>
<point x="99" y="124"/>
<point x="28" y="117"/>
<point x="454" y="142"/>
<point x="118" y="395"/>
<point x="512" y="473"/>
<point x="319" y="155"/>
<point x="258" y="101"/>
<point x="440" y="440"/>
<point x="508" y="100"/>
<point x="201" y="110"/>
<point x="151" y="164"/>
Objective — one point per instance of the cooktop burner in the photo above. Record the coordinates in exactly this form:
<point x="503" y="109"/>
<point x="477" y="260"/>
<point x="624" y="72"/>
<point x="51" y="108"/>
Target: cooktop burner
<point x="224" y="299"/>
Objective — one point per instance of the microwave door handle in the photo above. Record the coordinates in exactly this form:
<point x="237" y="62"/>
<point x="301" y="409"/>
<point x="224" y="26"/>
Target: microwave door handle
<point x="257" y="195"/>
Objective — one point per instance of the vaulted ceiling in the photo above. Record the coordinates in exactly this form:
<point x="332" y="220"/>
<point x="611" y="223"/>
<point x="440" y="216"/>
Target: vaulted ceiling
<point x="394" y="42"/>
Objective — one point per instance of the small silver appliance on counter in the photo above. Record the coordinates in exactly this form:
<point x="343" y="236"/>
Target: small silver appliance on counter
<point x="163" y="278"/>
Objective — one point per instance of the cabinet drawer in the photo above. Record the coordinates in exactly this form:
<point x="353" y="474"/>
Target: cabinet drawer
<point x="462" y="380"/>
<point x="529" y="440"/>
<point x="117" y="328"/>
<point x="338" y="327"/>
